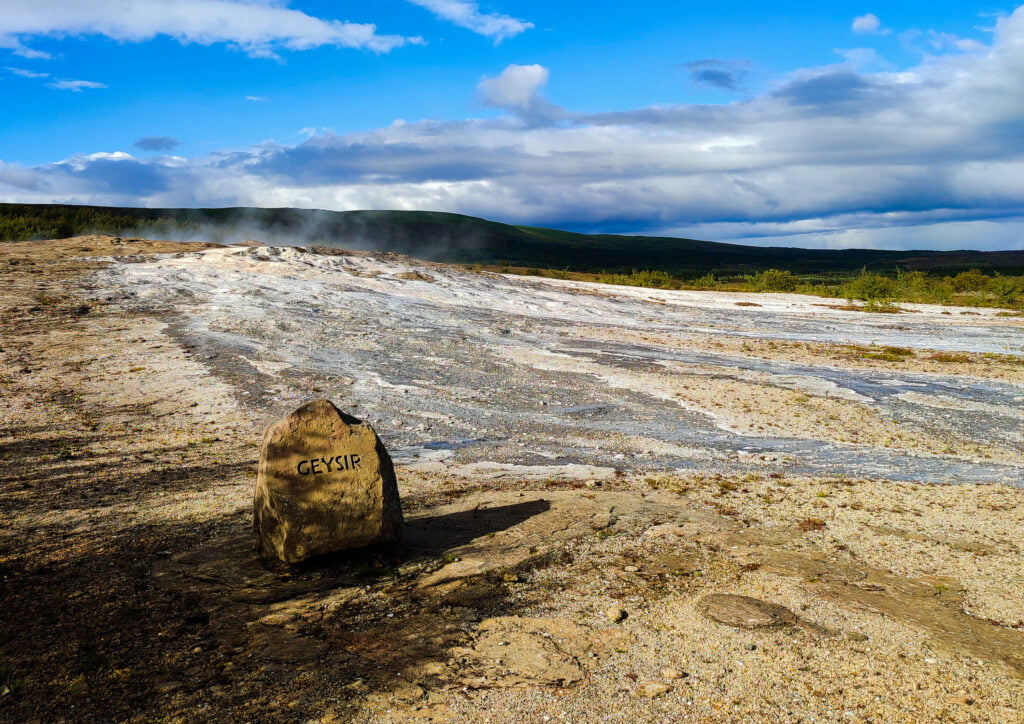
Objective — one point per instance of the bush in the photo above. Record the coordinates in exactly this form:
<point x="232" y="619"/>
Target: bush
<point x="870" y="287"/>
<point x="775" y="280"/>
<point x="652" y="279"/>
<point x="1007" y="291"/>
<point x="969" y="281"/>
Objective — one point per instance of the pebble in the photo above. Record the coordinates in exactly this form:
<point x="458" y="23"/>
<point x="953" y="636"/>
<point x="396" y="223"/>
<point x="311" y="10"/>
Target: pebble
<point x="673" y="674"/>
<point x="616" y="614"/>
<point x="654" y="689"/>
<point x="166" y="687"/>
<point x="631" y="569"/>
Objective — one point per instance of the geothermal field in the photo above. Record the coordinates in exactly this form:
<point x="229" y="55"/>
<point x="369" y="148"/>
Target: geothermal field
<point x="593" y="477"/>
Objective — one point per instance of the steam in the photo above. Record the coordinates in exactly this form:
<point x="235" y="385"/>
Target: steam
<point x="376" y="231"/>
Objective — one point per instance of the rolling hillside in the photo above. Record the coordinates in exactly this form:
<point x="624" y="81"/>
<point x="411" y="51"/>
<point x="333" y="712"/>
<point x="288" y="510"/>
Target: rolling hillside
<point x="465" y="239"/>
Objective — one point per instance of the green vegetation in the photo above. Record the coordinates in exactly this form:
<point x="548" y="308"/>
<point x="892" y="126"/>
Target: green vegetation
<point x="871" y="280"/>
<point x="775" y="280"/>
<point x="867" y="290"/>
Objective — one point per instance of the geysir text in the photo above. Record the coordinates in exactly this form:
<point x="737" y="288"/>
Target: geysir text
<point x="317" y="466"/>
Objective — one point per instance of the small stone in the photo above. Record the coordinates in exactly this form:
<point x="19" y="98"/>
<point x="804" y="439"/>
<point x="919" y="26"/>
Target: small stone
<point x="857" y="636"/>
<point x="673" y="674"/>
<point x="631" y="569"/>
<point x="654" y="689"/>
<point x="409" y="693"/>
<point x="616" y="614"/>
<point x="166" y="687"/>
<point x="78" y="687"/>
<point x="744" y="611"/>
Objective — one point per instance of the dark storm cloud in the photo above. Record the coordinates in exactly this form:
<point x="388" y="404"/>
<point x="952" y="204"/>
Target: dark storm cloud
<point x="722" y="74"/>
<point x="839" y="92"/>
<point x="157" y="143"/>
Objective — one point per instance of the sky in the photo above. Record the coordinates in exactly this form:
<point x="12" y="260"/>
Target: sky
<point x="827" y="125"/>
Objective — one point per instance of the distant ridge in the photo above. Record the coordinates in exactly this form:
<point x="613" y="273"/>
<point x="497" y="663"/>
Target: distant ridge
<point x="445" y="237"/>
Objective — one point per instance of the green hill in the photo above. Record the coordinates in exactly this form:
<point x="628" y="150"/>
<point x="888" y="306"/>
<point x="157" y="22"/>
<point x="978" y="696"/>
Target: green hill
<point x="465" y="239"/>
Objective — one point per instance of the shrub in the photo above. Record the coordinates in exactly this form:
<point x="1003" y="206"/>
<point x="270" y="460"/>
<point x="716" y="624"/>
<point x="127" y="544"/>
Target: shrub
<point x="1008" y="291"/>
<point x="969" y="281"/>
<point x="652" y="279"/>
<point x="870" y="287"/>
<point x="775" y="280"/>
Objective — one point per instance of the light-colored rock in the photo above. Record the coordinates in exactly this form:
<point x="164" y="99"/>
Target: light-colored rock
<point x="654" y="689"/>
<point x="672" y="674"/>
<point x="516" y="651"/>
<point x="616" y="614"/>
<point x="325" y="484"/>
<point x="744" y="611"/>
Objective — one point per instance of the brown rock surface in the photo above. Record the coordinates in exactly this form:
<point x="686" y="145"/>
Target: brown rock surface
<point x="325" y="484"/>
<point x="744" y="611"/>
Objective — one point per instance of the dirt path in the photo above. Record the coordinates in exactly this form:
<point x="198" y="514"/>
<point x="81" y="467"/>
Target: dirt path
<point x="127" y="454"/>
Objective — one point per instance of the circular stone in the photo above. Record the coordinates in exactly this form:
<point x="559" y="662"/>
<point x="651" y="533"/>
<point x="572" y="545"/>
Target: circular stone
<point x="744" y="611"/>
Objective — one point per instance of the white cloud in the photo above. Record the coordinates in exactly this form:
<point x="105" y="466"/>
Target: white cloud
<point x="869" y="25"/>
<point x="15" y="46"/>
<point x="863" y="58"/>
<point x="466" y="14"/>
<point x="260" y="27"/>
<point x="945" y="41"/>
<point x="517" y="89"/>
<point x="75" y="86"/>
<point x="28" y="73"/>
<point x="257" y="99"/>
<point x="930" y="156"/>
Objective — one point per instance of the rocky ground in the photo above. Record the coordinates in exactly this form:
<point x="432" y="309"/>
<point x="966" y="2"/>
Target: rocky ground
<point x="622" y="504"/>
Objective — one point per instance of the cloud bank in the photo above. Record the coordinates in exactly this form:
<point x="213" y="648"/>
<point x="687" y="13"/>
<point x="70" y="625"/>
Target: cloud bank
<point x="927" y="157"/>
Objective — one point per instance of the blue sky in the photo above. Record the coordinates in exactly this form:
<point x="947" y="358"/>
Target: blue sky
<point x="803" y="124"/>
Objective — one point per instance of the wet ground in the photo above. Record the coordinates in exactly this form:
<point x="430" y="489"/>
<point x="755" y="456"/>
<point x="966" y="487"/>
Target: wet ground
<point x="462" y="367"/>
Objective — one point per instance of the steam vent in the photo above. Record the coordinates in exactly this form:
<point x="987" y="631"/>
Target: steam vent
<point x="325" y="484"/>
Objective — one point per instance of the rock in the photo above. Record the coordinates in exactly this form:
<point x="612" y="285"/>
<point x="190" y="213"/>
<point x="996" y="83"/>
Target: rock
<point x="744" y="611"/>
<point x="408" y="693"/>
<point x="616" y="614"/>
<point x="654" y="689"/>
<point x="673" y="674"/>
<point x="514" y="651"/>
<point x="78" y="687"/>
<point x="414" y="276"/>
<point x="325" y="484"/>
<point x="166" y="687"/>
